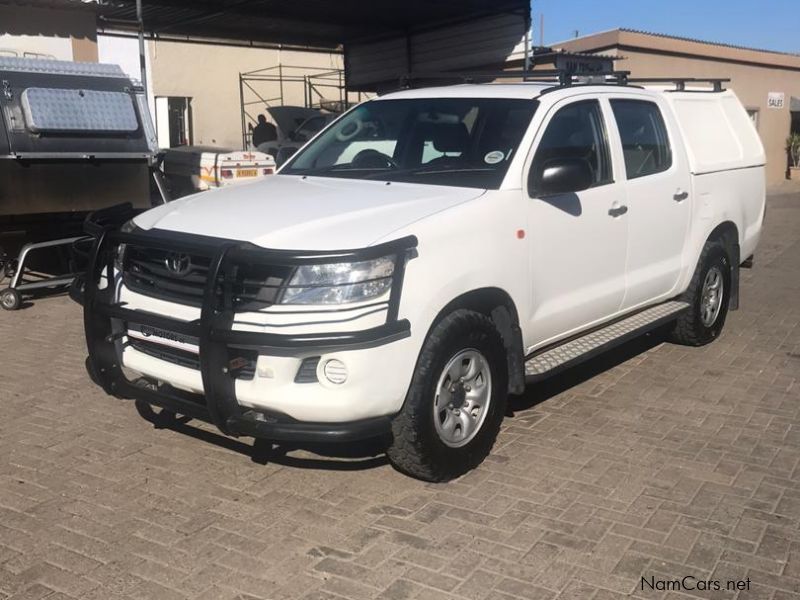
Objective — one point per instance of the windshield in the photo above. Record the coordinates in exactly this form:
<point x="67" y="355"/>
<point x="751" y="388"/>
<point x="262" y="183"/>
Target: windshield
<point x="467" y="142"/>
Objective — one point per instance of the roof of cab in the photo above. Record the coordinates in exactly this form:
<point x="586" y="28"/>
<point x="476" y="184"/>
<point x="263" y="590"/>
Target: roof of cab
<point x="521" y="89"/>
<point x="525" y="90"/>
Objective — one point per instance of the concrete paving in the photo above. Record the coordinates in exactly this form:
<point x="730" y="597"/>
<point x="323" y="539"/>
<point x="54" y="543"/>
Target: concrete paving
<point x="653" y="464"/>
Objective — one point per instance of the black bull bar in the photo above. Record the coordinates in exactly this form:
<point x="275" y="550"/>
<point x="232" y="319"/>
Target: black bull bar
<point x="105" y="325"/>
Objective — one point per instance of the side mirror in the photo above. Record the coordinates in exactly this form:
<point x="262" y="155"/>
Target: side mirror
<point x="560" y="176"/>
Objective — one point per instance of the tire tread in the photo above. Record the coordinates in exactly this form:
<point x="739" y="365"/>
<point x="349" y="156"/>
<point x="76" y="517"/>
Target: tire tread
<point x="688" y="330"/>
<point x="409" y="453"/>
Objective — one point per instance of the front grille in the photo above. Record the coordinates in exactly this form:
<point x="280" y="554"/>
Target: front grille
<point x="244" y="363"/>
<point x="145" y="271"/>
<point x="181" y="278"/>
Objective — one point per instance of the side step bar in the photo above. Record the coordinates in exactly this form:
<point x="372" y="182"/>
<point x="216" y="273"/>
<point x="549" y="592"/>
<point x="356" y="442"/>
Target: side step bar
<point x="549" y="361"/>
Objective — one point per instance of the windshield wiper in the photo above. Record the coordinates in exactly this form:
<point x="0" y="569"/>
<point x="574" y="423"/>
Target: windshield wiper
<point x="428" y="170"/>
<point x="333" y="168"/>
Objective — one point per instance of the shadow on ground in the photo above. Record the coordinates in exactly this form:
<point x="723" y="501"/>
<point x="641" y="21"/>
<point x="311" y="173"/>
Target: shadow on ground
<point x="370" y="454"/>
<point x="557" y="384"/>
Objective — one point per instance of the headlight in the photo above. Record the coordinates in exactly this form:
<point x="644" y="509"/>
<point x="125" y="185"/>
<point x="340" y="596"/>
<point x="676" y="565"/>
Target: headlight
<point x="119" y="253"/>
<point x="340" y="283"/>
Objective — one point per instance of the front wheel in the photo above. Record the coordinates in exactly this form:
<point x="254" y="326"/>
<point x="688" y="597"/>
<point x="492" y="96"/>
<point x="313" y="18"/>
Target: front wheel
<point x="456" y="401"/>
<point x="708" y="296"/>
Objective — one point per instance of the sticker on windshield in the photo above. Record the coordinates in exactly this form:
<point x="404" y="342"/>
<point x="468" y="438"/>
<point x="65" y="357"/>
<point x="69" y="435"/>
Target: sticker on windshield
<point x="494" y="157"/>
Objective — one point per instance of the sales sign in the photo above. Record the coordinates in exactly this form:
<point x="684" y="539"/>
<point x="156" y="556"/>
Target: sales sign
<point x="776" y="100"/>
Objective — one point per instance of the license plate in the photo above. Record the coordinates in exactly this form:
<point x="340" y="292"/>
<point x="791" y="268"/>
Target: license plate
<point x="247" y="173"/>
<point x="164" y="337"/>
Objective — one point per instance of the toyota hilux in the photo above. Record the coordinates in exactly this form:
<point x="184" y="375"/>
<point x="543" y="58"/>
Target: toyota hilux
<point x="424" y="256"/>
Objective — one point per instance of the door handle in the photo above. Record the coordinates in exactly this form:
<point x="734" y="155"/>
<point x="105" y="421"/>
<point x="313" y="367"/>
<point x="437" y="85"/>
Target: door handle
<point x="617" y="210"/>
<point x="680" y="196"/>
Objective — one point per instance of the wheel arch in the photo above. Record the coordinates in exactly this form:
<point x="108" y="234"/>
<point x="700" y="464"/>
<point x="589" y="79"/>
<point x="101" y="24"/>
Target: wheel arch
<point x="499" y="306"/>
<point x="727" y="233"/>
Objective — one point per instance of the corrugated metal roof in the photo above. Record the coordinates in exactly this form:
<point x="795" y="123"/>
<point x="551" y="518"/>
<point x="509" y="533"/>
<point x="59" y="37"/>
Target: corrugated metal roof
<point x="320" y="23"/>
<point x="61" y="4"/>
<point x="707" y="42"/>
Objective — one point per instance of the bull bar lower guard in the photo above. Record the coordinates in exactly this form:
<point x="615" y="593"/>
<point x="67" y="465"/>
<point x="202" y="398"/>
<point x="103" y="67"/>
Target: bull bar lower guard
<point x="105" y="318"/>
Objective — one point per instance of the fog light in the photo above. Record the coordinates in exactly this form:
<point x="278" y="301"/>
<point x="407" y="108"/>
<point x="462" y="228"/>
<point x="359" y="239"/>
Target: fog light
<point x="335" y="371"/>
<point x="266" y="372"/>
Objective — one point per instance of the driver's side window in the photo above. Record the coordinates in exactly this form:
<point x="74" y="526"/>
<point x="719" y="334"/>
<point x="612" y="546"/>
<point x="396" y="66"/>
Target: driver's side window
<point x="577" y="131"/>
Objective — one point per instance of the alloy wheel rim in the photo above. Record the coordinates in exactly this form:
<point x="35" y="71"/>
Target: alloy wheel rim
<point x="463" y="395"/>
<point x="711" y="296"/>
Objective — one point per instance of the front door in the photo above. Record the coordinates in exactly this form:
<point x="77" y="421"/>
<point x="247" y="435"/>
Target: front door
<point x="577" y="240"/>
<point x="658" y="191"/>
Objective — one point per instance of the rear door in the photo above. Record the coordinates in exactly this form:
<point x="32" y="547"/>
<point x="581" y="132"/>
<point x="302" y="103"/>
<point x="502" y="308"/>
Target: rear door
<point x="657" y="189"/>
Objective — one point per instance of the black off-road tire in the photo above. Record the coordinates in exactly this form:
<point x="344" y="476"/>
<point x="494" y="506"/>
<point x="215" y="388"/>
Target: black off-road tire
<point x="417" y="449"/>
<point x="689" y="328"/>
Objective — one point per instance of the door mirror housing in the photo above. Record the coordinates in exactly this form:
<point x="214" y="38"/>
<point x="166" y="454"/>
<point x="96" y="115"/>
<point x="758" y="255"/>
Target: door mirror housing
<point x="560" y="176"/>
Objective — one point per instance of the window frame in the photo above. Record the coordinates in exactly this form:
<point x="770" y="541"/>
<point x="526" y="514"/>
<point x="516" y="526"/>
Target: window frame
<point x="605" y="155"/>
<point x="664" y="129"/>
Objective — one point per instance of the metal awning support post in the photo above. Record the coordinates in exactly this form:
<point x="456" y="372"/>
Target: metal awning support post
<point x="527" y="43"/>
<point x="142" y="59"/>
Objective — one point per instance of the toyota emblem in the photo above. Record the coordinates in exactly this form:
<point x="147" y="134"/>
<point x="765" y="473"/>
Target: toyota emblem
<point x="178" y="264"/>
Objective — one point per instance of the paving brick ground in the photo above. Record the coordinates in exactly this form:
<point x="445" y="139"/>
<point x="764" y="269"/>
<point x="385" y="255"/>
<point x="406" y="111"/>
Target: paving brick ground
<point x="658" y="461"/>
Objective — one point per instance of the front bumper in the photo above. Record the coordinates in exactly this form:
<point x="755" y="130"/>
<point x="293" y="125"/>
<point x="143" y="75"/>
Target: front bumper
<point x="106" y="319"/>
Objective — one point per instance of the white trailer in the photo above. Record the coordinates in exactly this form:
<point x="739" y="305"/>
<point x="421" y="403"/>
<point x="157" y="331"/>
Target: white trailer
<point x="190" y="169"/>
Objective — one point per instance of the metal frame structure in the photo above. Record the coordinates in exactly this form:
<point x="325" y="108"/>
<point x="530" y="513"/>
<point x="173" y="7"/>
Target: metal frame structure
<point x="220" y="346"/>
<point x="37" y="213"/>
<point x="268" y="87"/>
<point x="24" y="280"/>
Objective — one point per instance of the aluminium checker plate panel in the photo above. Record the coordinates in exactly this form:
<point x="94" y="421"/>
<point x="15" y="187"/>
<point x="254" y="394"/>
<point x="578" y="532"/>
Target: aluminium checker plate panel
<point x="582" y="348"/>
<point x="60" y="67"/>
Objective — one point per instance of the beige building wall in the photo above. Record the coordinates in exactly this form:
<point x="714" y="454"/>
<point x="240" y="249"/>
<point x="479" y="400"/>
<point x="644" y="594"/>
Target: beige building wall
<point x="209" y="75"/>
<point x="753" y="73"/>
<point x="64" y="34"/>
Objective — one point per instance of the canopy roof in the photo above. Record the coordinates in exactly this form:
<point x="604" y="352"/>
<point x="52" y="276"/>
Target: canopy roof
<point x="302" y="23"/>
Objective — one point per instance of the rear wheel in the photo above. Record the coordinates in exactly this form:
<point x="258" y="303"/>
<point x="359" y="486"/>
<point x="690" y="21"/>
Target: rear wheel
<point x="456" y="400"/>
<point x="708" y="296"/>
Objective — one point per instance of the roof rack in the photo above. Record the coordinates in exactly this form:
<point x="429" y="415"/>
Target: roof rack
<point x="562" y="79"/>
<point x="557" y="76"/>
<point x="568" y="68"/>
<point x="680" y="82"/>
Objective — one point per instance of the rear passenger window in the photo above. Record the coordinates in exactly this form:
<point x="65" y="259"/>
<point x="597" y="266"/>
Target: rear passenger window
<point x="577" y="131"/>
<point x="645" y="143"/>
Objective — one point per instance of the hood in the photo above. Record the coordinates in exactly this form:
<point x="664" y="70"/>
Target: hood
<point x="312" y="213"/>
<point x="289" y="118"/>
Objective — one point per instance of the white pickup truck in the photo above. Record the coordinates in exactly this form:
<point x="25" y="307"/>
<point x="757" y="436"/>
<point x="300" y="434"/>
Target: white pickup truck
<point x="425" y="255"/>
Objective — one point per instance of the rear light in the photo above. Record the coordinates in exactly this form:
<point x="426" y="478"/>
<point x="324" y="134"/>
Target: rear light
<point x="226" y="173"/>
<point x="268" y="171"/>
